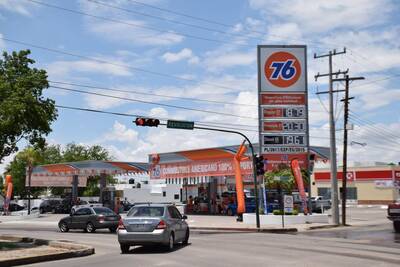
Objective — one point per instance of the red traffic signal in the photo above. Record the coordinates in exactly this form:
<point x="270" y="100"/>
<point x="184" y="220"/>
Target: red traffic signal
<point x="147" y="122"/>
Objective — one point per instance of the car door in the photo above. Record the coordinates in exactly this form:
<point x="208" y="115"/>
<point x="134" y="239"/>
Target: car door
<point x="180" y="227"/>
<point x="80" y="218"/>
<point x="175" y="223"/>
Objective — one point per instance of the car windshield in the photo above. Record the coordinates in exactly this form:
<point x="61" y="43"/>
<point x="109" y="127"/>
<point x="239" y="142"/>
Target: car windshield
<point x="103" y="211"/>
<point x="146" y="212"/>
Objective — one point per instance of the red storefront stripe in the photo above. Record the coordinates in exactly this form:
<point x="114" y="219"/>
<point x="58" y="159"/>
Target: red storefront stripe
<point x="360" y="175"/>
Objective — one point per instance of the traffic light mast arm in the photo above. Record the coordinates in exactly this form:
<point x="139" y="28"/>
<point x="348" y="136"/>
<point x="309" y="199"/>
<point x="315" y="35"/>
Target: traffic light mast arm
<point x="254" y="165"/>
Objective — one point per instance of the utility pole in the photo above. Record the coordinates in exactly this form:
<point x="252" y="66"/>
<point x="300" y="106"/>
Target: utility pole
<point x="334" y="183"/>
<point x="346" y="100"/>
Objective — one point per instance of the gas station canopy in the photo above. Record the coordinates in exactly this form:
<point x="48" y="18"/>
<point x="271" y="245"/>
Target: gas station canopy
<point x="60" y="175"/>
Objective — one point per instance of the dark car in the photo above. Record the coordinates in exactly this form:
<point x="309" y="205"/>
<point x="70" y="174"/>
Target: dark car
<point x="89" y="219"/>
<point x="250" y="204"/>
<point x="12" y="207"/>
<point x="150" y="224"/>
<point x="393" y="211"/>
<point x="64" y="207"/>
<point x="49" y="205"/>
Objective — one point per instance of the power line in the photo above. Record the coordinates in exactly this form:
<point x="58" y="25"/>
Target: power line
<point x="372" y="124"/>
<point x="119" y="65"/>
<point x="165" y="119"/>
<point x="172" y="20"/>
<point x="153" y="103"/>
<point x="388" y="137"/>
<point x="145" y="116"/>
<point x="151" y="94"/>
<point x="133" y="24"/>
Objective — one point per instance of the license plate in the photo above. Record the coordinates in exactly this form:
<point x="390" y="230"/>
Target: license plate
<point x="394" y="210"/>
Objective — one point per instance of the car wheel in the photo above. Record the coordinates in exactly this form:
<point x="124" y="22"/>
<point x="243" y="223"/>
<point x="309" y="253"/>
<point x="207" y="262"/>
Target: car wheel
<point x="113" y="229"/>
<point x="229" y="212"/>
<point x="41" y="210"/>
<point x="186" y="240"/>
<point x="63" y="227"/>
<point x="396" y="226"/>
<point x="171" y="242"/>
<point x="90" y="227"/>
<point x="124" y="248"/>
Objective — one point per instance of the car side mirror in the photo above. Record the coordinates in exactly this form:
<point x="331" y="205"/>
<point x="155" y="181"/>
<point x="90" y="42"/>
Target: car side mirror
<point x="184" y="217"/>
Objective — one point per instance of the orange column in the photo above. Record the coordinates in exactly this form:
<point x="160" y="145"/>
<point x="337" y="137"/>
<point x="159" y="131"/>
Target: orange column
<point x="241" y="208"/>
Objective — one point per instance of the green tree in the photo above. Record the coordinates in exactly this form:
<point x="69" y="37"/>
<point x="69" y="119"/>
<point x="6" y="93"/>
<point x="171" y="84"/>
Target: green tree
<point x="24" y="112"/>
<point x="21" y="167"/>
<point x="52" y="154"/>
<point x="287" y="185"/>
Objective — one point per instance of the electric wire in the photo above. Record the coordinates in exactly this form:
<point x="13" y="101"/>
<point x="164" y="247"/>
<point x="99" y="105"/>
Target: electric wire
<point x="373" y="124"/>
<point x="161" y="74"/>
<point x="151" y="94"/>
<point x="164" y="119"/>
<point x="171" y="20"/>
<point x="152" y="103"/>
<point x="134" y="24"/>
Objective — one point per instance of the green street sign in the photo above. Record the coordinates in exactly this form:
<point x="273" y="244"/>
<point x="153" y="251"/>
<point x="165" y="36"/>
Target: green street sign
<point x="187" y="125"/>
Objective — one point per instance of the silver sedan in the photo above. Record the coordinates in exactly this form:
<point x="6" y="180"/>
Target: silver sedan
<point x="149" y="224"/>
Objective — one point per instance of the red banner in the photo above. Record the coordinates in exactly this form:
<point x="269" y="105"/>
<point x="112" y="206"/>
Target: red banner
<point x="300" y="185"/>
<point x="283" y="99"/>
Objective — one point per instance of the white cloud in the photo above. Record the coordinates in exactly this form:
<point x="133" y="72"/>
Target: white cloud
<point x="184" y="54"/>
<point x="21" y="7"/>
<point x="2" y="43"/>
<point x="323" y="16"/>
<point x="120" y="133"/>
<point x="67" y="68"/>
<point x="5" y="162"/>
<point x="215" y="61"/>
<point x="135" y="36"/>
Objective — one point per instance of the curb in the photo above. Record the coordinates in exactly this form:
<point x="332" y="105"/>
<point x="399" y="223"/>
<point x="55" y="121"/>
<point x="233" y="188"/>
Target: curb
<point x="324" y="227"/>
<point x="241" y="230"/>
<point x="76" y="250"/>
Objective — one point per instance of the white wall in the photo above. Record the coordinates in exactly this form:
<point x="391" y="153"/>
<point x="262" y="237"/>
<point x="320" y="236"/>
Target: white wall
<point x="153" y="194"/>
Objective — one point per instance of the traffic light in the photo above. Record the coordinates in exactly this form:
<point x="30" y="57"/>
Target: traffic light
<point x="147" y="122"/>
<point x="260" y="165"/>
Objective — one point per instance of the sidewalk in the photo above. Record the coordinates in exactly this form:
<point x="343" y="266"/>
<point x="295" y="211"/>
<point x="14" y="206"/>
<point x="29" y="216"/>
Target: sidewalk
<point x="355" y="217"/>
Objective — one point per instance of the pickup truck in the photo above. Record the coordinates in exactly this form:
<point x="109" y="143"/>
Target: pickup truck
<point x="319" y="204"/>
<point x="394" y="215"/>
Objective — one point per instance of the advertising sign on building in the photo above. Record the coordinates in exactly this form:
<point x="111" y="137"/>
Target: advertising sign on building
<point x="283" y="110"/>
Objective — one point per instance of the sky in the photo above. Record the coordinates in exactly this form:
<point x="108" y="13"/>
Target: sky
<point x="201" y="55"/>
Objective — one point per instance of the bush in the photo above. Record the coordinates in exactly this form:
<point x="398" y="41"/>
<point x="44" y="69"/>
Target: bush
<point x="279" y="212"/>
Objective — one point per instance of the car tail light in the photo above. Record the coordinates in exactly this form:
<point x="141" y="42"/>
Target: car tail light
<point x="100" y="218"/>
<point x="121" y="225"/>
<point x="161" y="225"/>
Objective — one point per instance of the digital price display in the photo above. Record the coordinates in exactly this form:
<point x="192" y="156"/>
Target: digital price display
<point x="286" y="112"/>
<point x="285" y="140"/>
<point x="294" y="112"/>
<point x="298" y="126"/>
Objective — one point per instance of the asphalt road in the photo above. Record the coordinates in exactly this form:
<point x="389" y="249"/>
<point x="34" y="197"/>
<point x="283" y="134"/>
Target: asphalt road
<point x="256" y="249"/>
<point x="371" y="243"/>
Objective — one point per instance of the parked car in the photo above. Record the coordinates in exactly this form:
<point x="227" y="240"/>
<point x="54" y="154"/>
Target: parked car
<point x="64" y="207"/>
<point x="148" y="224"/>
<point x="49" y="205"/>
<point x="394" y="215"/>
<point x="89" y="219"/>
<point x="12" y="207"/>
<point x="250" y="205"/>
<point x="319" y="203"/>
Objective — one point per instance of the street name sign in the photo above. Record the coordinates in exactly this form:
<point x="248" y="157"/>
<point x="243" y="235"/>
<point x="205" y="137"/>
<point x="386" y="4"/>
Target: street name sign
<point x="186" y="125"/>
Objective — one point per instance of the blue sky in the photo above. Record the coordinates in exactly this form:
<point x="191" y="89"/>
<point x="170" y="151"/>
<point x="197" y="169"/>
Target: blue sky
<point x="222" y="68"/>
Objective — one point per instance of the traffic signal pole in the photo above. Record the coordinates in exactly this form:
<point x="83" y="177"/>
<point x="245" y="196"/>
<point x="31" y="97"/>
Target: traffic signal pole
<point x="254" y="166"/>
<point x="188" y="125"/>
